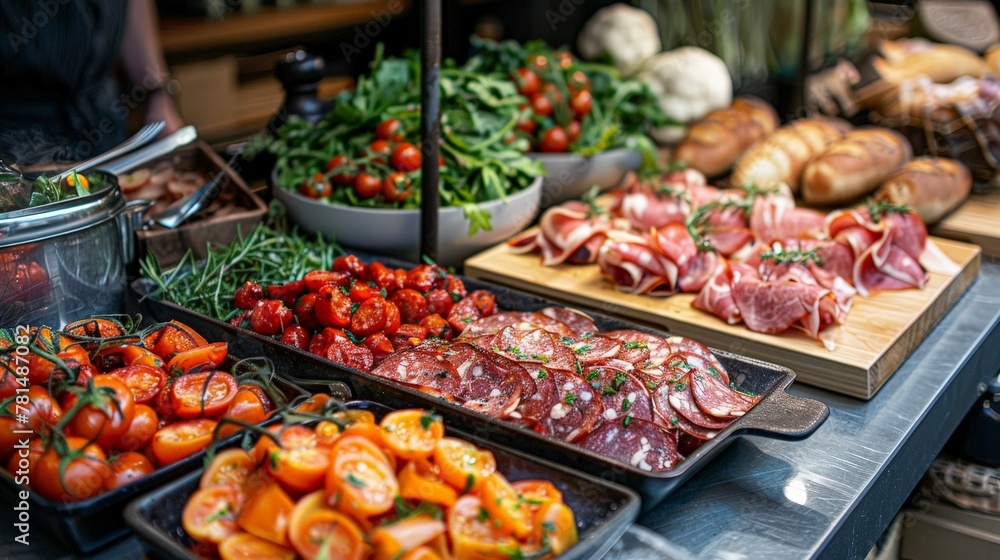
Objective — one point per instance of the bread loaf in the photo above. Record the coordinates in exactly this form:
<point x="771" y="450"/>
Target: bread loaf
<point x="780" y="157"/>
<point x="854" y="165"/>
<point x="906" y="59"/>
<point x="931" y="186"/>
<point x="713" y="144"/>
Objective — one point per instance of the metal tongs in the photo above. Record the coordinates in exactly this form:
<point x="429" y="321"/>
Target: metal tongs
<point x="175" y="214"/>
<point x="139" y="139"/>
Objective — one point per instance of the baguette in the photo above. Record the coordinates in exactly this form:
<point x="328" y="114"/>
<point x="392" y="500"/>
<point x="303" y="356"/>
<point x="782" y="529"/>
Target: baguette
<point x="906" y="59"/>
<point x="854" y="165"/>
<point x="713" y="144"/>
<point x="931" y="186"/>
<point x="780" y="157"/>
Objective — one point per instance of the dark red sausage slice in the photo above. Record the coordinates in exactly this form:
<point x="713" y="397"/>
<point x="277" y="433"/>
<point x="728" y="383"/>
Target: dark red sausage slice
<point x="641" y="444"/>
<point x="575" y="320"/>
<point x="535" y="406"/>
<point x="698" y="355"/>
<point x="533" y="346"/>
<point x="675" y="399"/>
<point x="657" y="346"/>
<point x="495" y="323"/>
<point x="489" y="383"/>
<point x="577" y="409"/>
<point x="590" y="349"/>
<point x="621" y="393"/>
<point x="422" y="366"/>
<point x="715" y="398"/>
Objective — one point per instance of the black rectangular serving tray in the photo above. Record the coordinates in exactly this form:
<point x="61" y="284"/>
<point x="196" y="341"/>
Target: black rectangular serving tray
<point x="86" y="526"/>
<point x="778" y="415"/>
<point x="603" y="510"/>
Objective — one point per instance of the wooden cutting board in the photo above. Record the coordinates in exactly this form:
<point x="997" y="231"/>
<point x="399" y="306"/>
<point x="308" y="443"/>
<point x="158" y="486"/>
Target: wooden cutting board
<point x="880" y="332"/>
<point x="976" y="221"/>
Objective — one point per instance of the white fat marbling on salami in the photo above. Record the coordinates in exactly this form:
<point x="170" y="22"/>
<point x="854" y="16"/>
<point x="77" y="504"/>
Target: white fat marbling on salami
<point x="575" y="320"/>
<point x="420" y="368"/>
<point x="621" y="393"/>
<point x="574" y="413"/>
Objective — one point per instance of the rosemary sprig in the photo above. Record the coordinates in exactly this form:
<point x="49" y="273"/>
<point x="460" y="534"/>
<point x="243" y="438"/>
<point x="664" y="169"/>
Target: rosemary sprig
<point x="882" y="208"/>
<point x="781" y="256"/>
<point x="269" y="254"/>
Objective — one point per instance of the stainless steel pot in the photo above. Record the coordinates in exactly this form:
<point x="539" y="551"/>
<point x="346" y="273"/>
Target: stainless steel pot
<point x="64" y="261"/>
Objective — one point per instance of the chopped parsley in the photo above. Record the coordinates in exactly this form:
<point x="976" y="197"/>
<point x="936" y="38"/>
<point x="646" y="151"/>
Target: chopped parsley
<point x="609" y="390"/>
<point x="570" y="398"/>
<point x="582" y="349"/>
<point x="633" y="344"/>
<point x="483" y="514"/>
<point x="466" y="320"/>
<point x="455" y="297"/>
<point x="226" y="511"/>
<point x="587" y="334"/>
<point x="619" y="380"/>
<point x="383" y="293"/>
<point x="626" y="405"/>
<point x="542" y="374"/>
<point x="567" y="341"/>
<point x="495" y="349"/>
<point x="713" y="371"/>
<point x="651" y="385"/>
<point x="592" y="375"/>
<point x="355" y="481"/>
<point x="470" y="481"/>
<point x="353" y="337"/>
<point x="427" y="419"/>
<point x="674" y="422"/>
<point x="345" y="290"/>
<point x="578" y="367"/>
<point x="354" y="307"/>
<point x="627" y="421"/>
<point x="540" y="357"/>
<point x="680" y="386"/>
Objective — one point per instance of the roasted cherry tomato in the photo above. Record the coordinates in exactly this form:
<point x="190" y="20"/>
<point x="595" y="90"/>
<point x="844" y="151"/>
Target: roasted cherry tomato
<point x="297" y="336"/>
<point x="367" y="185"/>
<point x="341" y="350"/>
<point x="202" y="394"/>
<point x="176" y="441"/>
<point x="437" y="327"/>
<point x="527" y="82"/>
<point x="173" y="337"/>
<point x="380" y="346"/>
<point x="361" y="291"/>
<point x="396" y="187"/>
<point x="316" y="279"/>
<point x="270" y="317"/>
<point x="288" y="292"/>
<point x="305" y="313"/>
<point x="412" y="305"/>
<point x="207" y="357"/>
<point x="343" y="171"/>
<point x="144" y="382"/>
<point x="350" y="264"/>
<point x="383" y="276"/>
<point x="96" y="328"/>
<point x="406" y="157"/>
<point x="107" y="412"/>
<point x="127" y="467"/>
<point x="439" y="301"/>
<point x="248" y="295"/>
<point x="390" y="129"/>
<point x="424" y="277"/>
<point x="407" y="336"/>
<point x="140" y="431"/>
<point x="554" y="140"/>
<point x="80" y="477"/>
<point x="333" y="308"/>
<point x="370" y="316"/>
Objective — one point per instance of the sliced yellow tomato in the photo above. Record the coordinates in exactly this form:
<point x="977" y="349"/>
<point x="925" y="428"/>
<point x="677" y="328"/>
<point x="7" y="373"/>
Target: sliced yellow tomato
<point x="462" y="464"/>
<point x="267" y="513"/>
<point x="555" y="524"/>
<point x="231" y="467"/>
<point x="412" y="434"/>
<point x="245" y="546"/>
<point x="392" y="540"/>
<point x="329" y="534"/>
<point x="473" y="534"/>
<point x="504" y="505"/>
<point x="210" y="514"/>
<point x="361" y="481"/>
<point x="422" y="484"/>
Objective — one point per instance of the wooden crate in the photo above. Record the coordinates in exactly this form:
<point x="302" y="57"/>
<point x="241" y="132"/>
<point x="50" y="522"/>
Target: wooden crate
<point x="977" y="221"/>
<point x="880" y="332"/>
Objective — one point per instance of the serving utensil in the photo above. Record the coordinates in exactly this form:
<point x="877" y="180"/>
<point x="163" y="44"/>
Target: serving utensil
<point x="140" y="138"/>
<point x="160" y="148"/>
<point x="178" y="212"/>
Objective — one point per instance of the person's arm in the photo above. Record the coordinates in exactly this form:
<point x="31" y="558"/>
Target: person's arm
<point x="144" y="63"/>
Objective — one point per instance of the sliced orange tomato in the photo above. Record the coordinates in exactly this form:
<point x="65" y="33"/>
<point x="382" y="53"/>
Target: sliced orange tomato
<point x="327" y="433"/>
<point x="128" y="354"/>
<point x="361" y="480"/>
<point x="421" y="553"/>
<point x="313" y="404"/>
<point x="299" y="469"/>
<point x="96" y="328"/>
<point x="422" y="484"/>
<point x="231" y="467"/>
<point x="201" y="358"/>
<point x="503" y="504"/>
<point x="176" y="441"/>
<point x="210" y="513"/>
<point x="325" y="533"/>
<point x="206" y="393"/>
<point x="555" y="524"/>
<point x="245" y="546"/>
<point x="394" y="539"/>
<point x="144" y="381"/>
<point x="266" y="514"/>
<point x="370" y="431"/>
<point x="462" y="464"/>
<point x="412" y="434"/>
<point x="246" y="406"/>
<point x="473" y="534"/>
<point x="173" y="338"/>
<point x="291" y="437"/>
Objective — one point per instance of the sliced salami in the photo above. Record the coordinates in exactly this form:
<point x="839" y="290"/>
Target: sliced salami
<point x="488" y="383"/>
<point x="657" y="346"/>
<point x="641" y="444"/>
<point x="420" y="367"/>
<point x="676" y="399"/>
<point x="576" y="320"/>
<point x="716" y="398"/>
<point x="495" y="323"/>
<point x="591" y="348"/>
<point x="690" y="361"/>
<point x="621" y="393"/>
<point x="668" y="418"/>
<point x="577" y="409"/>
<point x="536" y="406"/>
<point x="533" y="345"/>
<point x="706" y="358"/>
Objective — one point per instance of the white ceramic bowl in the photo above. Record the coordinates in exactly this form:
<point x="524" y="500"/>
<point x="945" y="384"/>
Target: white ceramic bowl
<point x="396" y="233"/>
<point x="569" y="176"/>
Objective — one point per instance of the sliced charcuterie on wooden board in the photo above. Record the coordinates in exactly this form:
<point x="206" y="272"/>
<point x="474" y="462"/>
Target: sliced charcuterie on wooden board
<point x="879" y="334"/>
<point x="975" y="221"/>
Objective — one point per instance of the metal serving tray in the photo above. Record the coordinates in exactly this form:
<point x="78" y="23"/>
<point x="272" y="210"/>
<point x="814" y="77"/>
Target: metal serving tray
<point x="603" y="510"/>
<point x="778" y="415"/>
<point x="91" y="524"/>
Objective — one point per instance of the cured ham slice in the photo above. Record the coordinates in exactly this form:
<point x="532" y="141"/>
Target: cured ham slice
<point x="646" y="206"/>
<point x="831" y="267"/>
<point x="887" y="248"/>
<point x="641" y="444"/>
<point x="567" y="233"/>
<point x="774" y="217"/>
<point x="694" y="267"/>
<point x="634" y="265"/>
<point x="716" y="296"/>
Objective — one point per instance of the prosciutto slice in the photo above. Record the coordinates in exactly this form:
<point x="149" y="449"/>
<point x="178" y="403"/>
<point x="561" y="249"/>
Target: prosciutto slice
<point x="633" y="264"/>
<point x="774" y="217"/>
<point x="567" y="233"/>
<point x="887" y="248"/>
<point x="695" y="267"/>
<point x="716" y="296"/>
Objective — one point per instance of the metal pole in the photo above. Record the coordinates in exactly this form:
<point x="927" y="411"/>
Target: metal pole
<point x="430" y="126"/>
<point x="804" y="68"/>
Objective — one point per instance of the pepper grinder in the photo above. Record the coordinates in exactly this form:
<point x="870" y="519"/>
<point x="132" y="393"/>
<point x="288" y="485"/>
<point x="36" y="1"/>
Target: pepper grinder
<point x="300" y="72"/>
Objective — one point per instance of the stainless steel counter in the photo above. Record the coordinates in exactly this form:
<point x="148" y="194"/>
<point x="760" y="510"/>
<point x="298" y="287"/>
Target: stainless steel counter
<point x="830" y="496"/>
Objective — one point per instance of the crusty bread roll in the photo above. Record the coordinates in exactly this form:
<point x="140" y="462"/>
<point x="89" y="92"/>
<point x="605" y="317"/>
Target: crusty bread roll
<point x="854" y="165"/>
<point x="931" y="186"/>
<point x="906" y="59"/>
<point x="713" y="144"/>
<point x="780" y="157"/>
<point x="992" y="58"/>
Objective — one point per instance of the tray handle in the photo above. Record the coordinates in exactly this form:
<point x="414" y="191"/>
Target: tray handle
<point x="785" y="416"/>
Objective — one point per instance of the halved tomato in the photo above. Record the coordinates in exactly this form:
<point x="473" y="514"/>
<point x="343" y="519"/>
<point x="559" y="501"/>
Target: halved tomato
<point x="266" y="514"/>
<point x="318" y="531"/>
<point x="176" y="441"/>
<point x="202" y="358"/>
<point x="244" y="546"/>
<point x="462" y="464"/>
<point x="421" y="483"/>
<point x="202" y="394"/>
<point x="412" y="434"/>
<point x="230" y="467"/>
<point x="144" y="381"/>
<point x="555" y="524"/>
<point x="210" y="513"/>
<point x="505" y="506"/>
<point x="169" y="339"/>
<point x="361" y="480"/>
<point x="394" y="539"/>
<point x="474" y="536"/>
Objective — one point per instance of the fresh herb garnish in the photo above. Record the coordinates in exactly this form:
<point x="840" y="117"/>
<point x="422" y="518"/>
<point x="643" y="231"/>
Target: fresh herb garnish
<point x="570" y="398"/>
